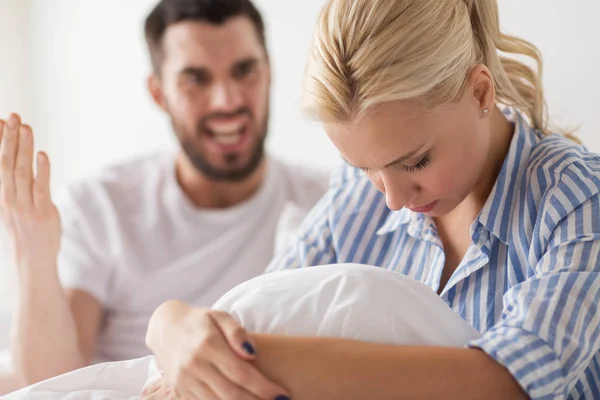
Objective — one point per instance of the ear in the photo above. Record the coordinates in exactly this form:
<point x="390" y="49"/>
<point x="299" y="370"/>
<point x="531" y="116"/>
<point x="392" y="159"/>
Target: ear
<point x="156" y="91"/>
<point x="269" y="75"/>
<point x="482" y="87"/>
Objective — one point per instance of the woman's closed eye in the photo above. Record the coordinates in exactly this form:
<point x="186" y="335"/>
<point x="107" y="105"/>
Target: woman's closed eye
<point x="424" y="162"/>
<point x="418" y="166"/>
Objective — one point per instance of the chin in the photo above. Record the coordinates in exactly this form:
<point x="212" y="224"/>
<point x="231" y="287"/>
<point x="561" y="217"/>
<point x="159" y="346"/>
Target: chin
<point x="442" y="208"/>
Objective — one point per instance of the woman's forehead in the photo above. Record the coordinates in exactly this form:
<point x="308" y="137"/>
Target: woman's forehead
<point x="390" y="131"/>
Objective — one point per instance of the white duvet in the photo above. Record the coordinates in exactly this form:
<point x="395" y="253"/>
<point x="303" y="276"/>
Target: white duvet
<point x="345" y="300"/>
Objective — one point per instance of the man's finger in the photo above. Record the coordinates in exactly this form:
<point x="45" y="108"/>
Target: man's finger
<point x="24" y="168"/>
<point x="8" y="154"/>
<point x="41" y="184"/>
<point x="2" y="124"/>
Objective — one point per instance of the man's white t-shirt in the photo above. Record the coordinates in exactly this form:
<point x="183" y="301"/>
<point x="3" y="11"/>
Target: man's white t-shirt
<point x="132" y="239"/>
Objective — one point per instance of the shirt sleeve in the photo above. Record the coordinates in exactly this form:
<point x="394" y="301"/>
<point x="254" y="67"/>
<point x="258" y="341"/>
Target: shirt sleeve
<point x="550" y="327"/>
<point x="81" y="263"/>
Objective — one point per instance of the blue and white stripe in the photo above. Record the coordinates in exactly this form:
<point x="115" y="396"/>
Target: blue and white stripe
<point x="530" y="280"/>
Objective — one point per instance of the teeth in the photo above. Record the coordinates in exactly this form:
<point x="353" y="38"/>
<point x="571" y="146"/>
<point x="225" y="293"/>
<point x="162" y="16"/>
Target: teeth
<point x="228" y="140"/>
<point x="226" y="128"/>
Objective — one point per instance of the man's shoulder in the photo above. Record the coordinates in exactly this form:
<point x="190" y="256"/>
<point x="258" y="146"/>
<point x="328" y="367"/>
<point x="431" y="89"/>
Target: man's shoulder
<point x="119" y="186"/>
<point x="306" y="183"/>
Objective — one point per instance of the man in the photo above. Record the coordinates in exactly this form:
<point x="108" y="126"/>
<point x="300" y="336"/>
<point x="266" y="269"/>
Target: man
<point x="186" y="226"/>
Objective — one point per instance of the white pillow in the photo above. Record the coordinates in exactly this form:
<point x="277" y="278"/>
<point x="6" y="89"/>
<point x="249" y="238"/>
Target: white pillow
<point x="349" y="301"/>
<point x="346" y="300"/>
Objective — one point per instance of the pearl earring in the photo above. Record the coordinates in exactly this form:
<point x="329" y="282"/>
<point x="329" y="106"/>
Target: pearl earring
<point x="486" y="111"/>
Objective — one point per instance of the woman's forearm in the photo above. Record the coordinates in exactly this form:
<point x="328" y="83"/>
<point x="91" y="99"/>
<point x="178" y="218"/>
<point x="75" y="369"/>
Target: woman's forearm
<point x="320" y="368"/>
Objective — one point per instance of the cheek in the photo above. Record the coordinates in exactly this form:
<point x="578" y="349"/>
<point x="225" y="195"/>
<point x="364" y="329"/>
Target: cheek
<point x="188" y="107"/>
<point x="257" y="95"/>
<point x="449" y="177"/>
<point x="441" y="180"/>
<point x="183" y="102"/>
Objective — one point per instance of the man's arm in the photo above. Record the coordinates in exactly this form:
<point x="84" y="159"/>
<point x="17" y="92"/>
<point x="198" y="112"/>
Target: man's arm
<point x="54" y="331"/>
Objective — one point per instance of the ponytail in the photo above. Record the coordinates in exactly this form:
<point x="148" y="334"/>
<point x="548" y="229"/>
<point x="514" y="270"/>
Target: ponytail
<point x="368" y="52"/>
<point x="517" y="84"/>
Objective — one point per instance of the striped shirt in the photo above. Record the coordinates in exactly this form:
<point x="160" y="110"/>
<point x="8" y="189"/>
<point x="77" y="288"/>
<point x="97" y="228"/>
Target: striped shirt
<point x="529" y="281"/>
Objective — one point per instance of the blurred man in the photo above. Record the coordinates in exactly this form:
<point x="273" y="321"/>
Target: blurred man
<point x="188" y="225"/>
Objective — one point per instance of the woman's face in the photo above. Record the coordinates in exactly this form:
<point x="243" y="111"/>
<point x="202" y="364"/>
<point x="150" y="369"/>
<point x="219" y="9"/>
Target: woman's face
<point x="425" y="160"/>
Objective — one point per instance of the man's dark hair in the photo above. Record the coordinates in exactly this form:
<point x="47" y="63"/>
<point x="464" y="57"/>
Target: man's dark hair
<point x="169" y="12"/>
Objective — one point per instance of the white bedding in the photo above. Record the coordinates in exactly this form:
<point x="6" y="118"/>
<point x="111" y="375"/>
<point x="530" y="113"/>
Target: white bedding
<point x="349" y="300"/>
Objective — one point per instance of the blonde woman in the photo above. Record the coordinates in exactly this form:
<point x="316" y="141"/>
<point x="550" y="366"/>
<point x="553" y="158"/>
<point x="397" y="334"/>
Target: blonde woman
<point x="493" y="211"/>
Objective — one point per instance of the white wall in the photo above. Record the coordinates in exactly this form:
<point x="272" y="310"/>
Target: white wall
<point x="80" y="81"/>
<point x="15" y="93"/>
<point x="567" y="33"/>
<point x="92" y="98"/>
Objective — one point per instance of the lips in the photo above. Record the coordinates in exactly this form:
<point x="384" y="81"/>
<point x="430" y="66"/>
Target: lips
<point x="424" y="209"/>
<point x="226" y="133"/>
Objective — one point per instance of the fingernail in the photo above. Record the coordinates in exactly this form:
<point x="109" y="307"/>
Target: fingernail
<point x="248" y="348"/>
<point x="24" y="134"/>
<point x="12" y="121"/>
<point x="282" y="398"/>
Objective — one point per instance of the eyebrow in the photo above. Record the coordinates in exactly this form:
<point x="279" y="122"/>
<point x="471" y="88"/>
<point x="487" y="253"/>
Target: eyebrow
<point x="403" y="158"/>
<point x="247" y="62"/>
<point x="203" y="71"/>
<point x="196" y="71"/>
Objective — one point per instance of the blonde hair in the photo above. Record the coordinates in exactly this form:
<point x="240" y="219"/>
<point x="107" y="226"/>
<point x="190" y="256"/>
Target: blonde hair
<point x="367" y="52"/>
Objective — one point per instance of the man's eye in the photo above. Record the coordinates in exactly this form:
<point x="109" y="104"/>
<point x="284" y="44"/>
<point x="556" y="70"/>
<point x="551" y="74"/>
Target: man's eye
<point x="244" y="70"/>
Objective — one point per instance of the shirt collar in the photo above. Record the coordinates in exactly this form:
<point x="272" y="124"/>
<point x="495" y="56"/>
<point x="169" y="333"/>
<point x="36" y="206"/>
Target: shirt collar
<point x="505" y="196"/>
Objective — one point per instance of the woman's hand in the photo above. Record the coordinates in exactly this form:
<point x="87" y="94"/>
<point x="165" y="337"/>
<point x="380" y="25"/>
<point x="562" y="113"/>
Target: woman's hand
<point x="26" y="207"/>
<point x="206" y="354"/>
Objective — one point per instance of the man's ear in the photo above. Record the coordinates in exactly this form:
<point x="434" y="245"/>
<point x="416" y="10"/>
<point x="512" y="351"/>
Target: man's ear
<point x="155" y="88"/>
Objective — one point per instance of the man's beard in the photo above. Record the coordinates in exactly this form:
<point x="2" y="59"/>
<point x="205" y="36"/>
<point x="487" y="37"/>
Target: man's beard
<point x="222" y="174"/>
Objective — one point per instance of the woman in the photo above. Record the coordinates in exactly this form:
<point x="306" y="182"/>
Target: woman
<point x="497" y="215"/>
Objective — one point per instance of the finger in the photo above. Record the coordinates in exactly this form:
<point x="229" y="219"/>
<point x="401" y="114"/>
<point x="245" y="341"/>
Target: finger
<point x="158" y="390"/>
<point x="152" y="387"/>
<point x="242" y="373"/>
<point x="2" y="124"/>
<point x="24" y="168"/>
<point x="224" y="388"/>
<point x="41" y="185"/>
<point x="201" y="391"/>
<point x="236" y="336"/>
<point x="7" y="158"/>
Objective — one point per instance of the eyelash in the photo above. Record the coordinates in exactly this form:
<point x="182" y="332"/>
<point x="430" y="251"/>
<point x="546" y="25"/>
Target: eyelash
<point x="418" y="167"/>
<point x="410" y="169"/>
<point x="245" y="71"/>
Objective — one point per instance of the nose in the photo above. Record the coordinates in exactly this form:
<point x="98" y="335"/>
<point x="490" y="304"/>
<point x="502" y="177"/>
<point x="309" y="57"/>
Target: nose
<point x="225" y="97"/>
<point x="398" y="190"/>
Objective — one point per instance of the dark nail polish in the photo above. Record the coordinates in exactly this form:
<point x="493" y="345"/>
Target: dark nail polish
<point x="249" y="348"/>
<point x="282" y="398"/>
